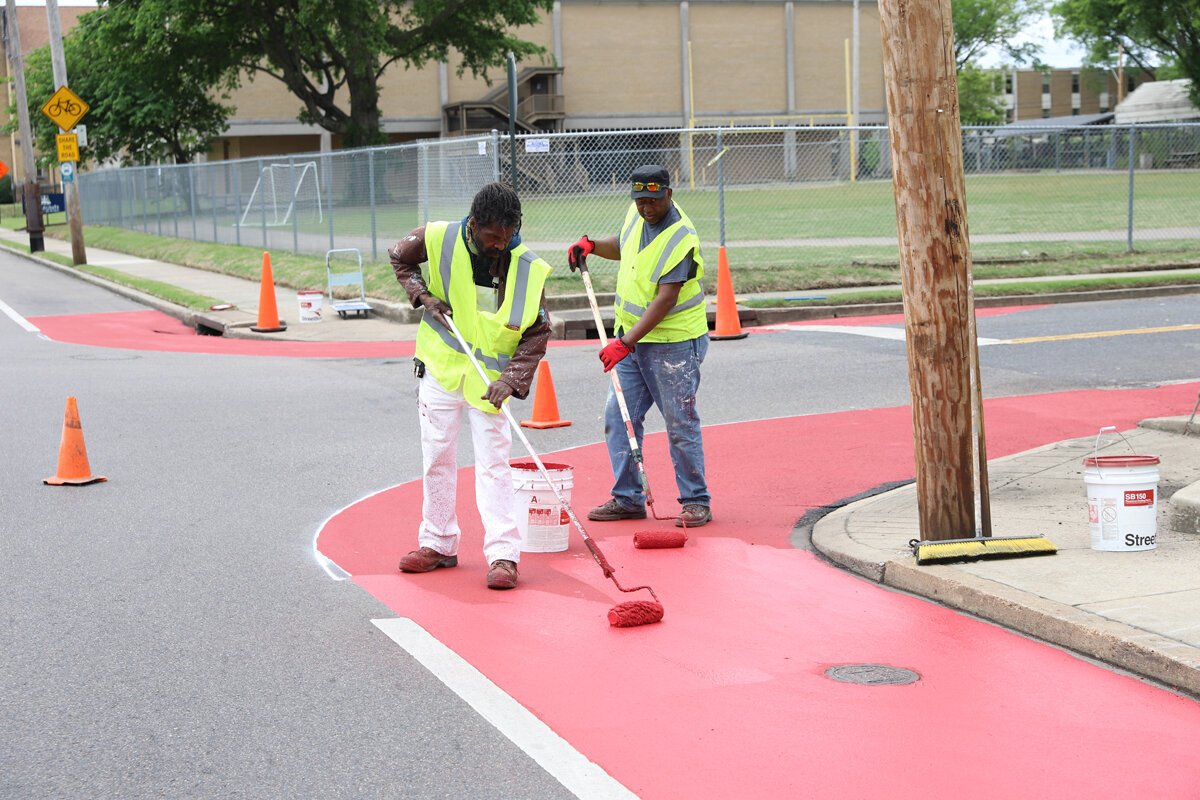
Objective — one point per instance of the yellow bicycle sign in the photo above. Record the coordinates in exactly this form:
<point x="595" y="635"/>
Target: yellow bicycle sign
<point x="65" y="108"/>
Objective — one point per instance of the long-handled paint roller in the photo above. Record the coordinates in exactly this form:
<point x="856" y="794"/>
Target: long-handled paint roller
<point x="622" y="615"/>
<point x="641" y="539"/>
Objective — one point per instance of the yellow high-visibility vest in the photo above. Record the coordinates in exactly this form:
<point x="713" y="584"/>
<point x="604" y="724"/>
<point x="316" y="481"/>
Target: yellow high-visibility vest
<point x="637" y="281"/>
<point x="493" y="336"/>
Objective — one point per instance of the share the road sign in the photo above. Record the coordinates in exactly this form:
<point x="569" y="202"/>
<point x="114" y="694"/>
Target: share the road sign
<point x="65" y="108"/>
<point x="68" y="147"/>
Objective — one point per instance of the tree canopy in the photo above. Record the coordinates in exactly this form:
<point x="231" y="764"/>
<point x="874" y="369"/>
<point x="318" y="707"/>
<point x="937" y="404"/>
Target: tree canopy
<point x="149" y="98"/>
<point x="981" y="25"/>
<point x="331" y="54"/>
<point x="1147" y="31"/>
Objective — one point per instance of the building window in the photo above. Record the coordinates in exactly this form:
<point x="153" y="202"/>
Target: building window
<point x="1075" y="83"/>
<point x="1045" y="113"/>
<point x="1008" y="83"/>
<point x="1045" y="83"/>
<point x="1074" y="112"/>
<point x="1130" y="83"/>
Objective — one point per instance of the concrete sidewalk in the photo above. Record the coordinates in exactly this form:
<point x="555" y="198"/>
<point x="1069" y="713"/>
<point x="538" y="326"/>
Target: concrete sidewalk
<point x="1139" y="611"/>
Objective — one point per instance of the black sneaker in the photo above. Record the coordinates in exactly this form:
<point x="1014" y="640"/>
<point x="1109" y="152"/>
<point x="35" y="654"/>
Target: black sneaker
<point x="612" y="511"/>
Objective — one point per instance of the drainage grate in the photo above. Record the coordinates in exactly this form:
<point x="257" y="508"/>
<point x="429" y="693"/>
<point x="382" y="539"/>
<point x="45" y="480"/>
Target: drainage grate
<point x="872" y="674"/>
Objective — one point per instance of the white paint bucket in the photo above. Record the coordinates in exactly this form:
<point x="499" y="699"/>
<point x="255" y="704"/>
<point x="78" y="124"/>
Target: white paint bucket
<point x="542" y="520"/>
<point x="310" y="305"/>
<point x="1122" y="496"/>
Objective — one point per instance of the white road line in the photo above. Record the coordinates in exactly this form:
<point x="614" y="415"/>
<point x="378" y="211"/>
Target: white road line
<point x="553" y="753"/>
<point x="876" y="331"/>
<point x="17" y="318"/>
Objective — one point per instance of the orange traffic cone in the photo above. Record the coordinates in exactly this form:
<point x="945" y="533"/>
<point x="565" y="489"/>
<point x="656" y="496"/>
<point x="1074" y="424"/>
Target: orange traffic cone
<point x="728" y="324"/>
<point x="545" y="405"/>
<point x="73" y="469"/>
<point x="268" y="312"/>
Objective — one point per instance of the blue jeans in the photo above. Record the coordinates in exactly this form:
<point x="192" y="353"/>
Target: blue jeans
<point x="667" y="375"/>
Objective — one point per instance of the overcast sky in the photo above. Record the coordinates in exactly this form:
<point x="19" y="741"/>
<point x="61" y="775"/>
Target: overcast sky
<point x="1062" y="53"/>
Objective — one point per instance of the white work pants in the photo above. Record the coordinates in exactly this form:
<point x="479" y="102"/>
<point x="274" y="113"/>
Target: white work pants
<point x="441" y="418"/>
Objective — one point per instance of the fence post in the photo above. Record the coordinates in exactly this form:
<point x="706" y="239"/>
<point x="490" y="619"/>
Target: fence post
<point x="327" y="163"/>
<point x="212" y="181"/>
<point x="1058" y="151"/>
<point x="495" y="154"/>
<point x="721" y="184"/>
<point x="293" y="190"/>
<point x="191" y="173"/>
<point x="262" y="215"/>
<point x="158" y="198"/>
<point x="423" y="196"/>
<point x="371" y="195"/>
<point x="237" y="201"/>
<point x="1132" y="155"/>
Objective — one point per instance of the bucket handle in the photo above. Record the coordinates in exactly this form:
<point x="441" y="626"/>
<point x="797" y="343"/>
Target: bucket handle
<point x="1096" y="445"/>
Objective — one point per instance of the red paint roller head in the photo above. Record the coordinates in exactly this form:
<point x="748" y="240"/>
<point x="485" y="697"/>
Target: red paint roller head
<point x="654" y="540"/>
<point x="634" y="613"/>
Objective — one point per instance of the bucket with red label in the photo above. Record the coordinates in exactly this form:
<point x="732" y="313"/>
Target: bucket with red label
<point x="1122" y="492"/>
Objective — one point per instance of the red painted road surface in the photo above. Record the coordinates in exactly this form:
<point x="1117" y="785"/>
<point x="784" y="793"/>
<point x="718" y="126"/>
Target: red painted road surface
<point x="727" y="698"/>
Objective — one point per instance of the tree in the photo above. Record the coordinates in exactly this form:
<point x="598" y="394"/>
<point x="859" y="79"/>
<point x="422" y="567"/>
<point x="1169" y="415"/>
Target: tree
<point x="332" y="54"/>
<point x="981" y="25"/>
<point x="978" y="100"/>
<point x="1147" y="31"/>
<point x="149" y="99"/>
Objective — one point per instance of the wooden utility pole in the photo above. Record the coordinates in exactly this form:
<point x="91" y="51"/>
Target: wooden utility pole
<point x="70" y="188"/>
<point x="935" y="262"/>
<point x="31" y="192"/>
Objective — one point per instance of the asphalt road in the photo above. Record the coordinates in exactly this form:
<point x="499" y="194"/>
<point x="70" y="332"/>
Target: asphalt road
<point x="169" y="633"/>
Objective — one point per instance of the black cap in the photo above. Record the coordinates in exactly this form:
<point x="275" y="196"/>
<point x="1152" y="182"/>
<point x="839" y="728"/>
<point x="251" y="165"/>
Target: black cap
<point x="650" y="173"/>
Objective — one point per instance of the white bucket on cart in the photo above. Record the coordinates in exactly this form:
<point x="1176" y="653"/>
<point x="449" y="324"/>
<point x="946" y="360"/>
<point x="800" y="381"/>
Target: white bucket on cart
<point x="310" y="305"/>
<point x="542" y="520"/>
<point x="1122" y="496"/>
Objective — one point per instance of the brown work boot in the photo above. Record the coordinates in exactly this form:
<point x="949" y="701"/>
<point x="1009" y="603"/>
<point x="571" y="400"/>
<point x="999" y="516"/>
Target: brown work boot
<point x="694" y="515"/>
<point x="612" y="511"/>
<point x="502" y="575"/>
<point x="426" y="560"/>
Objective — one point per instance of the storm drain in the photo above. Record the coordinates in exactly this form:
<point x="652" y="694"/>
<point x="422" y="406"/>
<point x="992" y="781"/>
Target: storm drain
<point x="872" y="674"/>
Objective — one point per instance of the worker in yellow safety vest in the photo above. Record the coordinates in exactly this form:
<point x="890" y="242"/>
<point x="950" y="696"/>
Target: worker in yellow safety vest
<point x="477" y="271"/>
<point x="660" y="338"/>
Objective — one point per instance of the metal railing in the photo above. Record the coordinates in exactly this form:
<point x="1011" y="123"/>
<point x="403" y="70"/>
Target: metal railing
<point x="776" y="195"/>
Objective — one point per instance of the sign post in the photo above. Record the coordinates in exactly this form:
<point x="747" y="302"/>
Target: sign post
<point x="65" y="109"/>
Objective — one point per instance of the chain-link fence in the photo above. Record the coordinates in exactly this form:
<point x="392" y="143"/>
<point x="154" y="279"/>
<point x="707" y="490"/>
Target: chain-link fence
<point x="778" y="196"/>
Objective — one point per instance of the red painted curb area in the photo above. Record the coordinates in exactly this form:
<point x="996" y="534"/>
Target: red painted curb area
<point x="727" y="696"/>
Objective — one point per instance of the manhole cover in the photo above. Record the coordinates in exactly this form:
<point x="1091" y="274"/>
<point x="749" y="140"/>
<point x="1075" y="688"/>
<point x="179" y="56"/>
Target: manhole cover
<point x="872" y="674"/>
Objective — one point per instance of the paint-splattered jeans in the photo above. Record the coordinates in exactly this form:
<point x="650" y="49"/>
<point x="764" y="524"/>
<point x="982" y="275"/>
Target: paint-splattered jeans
<point x="667" y="375"/>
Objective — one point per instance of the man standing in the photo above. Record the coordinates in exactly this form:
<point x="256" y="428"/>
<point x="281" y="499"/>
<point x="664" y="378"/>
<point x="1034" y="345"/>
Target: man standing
<point x="659" y="340"/>
<point x="478" y="272"/>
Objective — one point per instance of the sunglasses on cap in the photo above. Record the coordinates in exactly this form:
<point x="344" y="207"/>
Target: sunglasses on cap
<point x="652" y="186"/>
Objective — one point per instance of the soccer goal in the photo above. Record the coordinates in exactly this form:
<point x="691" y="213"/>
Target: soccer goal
<point x="284" y="190"/>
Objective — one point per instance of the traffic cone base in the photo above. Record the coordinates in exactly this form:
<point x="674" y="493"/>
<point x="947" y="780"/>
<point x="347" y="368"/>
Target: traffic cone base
<point x="268" y="310"/>
<point x="728" y="325"/>
<point x="545" y="405"/>
<point x="73" y="468"/>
